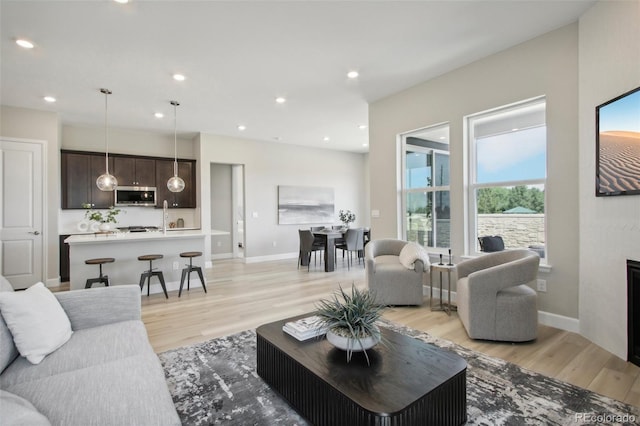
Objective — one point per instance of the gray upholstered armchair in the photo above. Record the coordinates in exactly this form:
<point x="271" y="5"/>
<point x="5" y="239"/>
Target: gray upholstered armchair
<point x="390" y="281"/>
<point x="494" y="302"/>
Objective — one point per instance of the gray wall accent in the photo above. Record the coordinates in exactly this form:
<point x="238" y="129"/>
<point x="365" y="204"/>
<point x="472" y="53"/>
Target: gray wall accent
<point x="609" y="52"/>
<point x="221" y="207"/>
<point x="546" y="65"/>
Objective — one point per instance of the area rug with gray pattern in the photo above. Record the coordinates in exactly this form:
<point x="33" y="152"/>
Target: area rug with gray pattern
<point x="215" y="382"/>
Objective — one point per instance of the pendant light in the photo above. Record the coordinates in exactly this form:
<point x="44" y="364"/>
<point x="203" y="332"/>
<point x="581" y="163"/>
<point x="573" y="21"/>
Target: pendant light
<point x="106" y="181"/>
<point x="175" y="184"/>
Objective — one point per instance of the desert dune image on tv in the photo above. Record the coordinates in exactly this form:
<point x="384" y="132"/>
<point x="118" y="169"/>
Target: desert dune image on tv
<point x="619" y="145"/>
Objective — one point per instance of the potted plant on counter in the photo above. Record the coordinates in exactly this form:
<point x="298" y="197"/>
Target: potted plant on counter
<point x="104" y="219"/>
<point x="350" y="320"/>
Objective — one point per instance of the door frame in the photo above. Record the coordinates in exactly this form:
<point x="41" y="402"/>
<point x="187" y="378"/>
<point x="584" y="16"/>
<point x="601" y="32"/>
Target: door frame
<point x="45" y="229"/>
<point x="235" y="229"/>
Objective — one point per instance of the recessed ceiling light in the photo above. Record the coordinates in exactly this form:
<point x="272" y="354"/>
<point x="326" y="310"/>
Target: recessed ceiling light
<point x="158" y="115"/>
<point x="24" y="43"/>
<point x="179" y="77"/>
<point x="122" y="1"/>
<point x="365" y="144"/>
<point x="515" y="129"/>
<point x="362" y="126"/>
<point x="353" y="74"/>
<point x="326" y="139"/>
<point x="242" y="127"/>
<point x="442" y="138"/>
<point x="49" y="99"/>
<point x="280" y="100"/>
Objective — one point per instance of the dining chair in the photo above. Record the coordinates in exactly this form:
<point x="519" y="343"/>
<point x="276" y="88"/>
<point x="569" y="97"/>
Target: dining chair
<point x="338" y="228"/>
<point x="318" y="241"/>
<point x="308" y="246"/>
<point x="353" y="242"/>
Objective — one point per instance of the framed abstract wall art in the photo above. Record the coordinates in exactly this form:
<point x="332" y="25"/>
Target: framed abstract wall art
<point x="305" y="204"/>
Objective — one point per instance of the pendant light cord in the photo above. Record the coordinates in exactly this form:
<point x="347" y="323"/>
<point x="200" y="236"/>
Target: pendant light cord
<point x="106" y="92"/>
<point x="175" y="137"/>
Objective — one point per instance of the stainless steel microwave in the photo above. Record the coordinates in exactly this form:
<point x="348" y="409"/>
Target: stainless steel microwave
<point x="135" y="196"/>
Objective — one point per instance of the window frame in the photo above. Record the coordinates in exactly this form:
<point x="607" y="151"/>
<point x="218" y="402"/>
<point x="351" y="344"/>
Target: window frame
<point x="472" y="186"/>
<point x="404" y="191"/>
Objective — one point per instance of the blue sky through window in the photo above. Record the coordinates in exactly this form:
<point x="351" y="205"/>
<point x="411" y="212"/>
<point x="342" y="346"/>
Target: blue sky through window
<point x="517" y="155"/>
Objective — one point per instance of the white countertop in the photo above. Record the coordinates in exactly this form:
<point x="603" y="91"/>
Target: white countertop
<point x="119" y="237"/>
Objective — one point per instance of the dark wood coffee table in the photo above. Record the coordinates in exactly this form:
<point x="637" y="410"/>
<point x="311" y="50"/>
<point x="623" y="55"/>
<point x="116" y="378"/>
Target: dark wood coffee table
<point x="409" y="382"/>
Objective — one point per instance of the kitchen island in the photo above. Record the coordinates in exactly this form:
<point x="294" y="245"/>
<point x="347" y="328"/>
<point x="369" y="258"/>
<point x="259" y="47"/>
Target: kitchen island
<point x="125" y="247"/>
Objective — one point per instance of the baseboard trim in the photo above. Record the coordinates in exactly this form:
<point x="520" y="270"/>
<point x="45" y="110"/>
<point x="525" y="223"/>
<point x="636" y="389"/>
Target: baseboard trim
<point x="559" y="321"/>
<point x="281" y="256"/>
<point x="52" y="282"/>
<point x="545" y="318"/>
<point x="222" y="256"/>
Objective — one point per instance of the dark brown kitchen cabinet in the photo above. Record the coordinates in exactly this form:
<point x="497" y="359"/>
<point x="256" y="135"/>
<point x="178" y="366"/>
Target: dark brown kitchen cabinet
<point x="80" y="169"/>
<point x="134" y="171"/>
<point x="64" y="259"/>
<point x="79" y="174"/>
<point x="186" y="170"/>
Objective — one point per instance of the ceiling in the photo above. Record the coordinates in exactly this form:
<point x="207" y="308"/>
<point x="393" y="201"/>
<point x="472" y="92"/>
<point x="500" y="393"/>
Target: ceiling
<point x="239" y="56"/>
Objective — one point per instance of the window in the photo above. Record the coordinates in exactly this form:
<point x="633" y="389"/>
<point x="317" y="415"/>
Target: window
<point x="425" y="186"/>
<point x="507" y="176"/>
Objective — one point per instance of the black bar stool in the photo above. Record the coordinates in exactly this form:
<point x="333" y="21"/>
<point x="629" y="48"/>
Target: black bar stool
<point x="150" y="273"/>
<point x="102" y="278"/>
<point x="190" y="268"/>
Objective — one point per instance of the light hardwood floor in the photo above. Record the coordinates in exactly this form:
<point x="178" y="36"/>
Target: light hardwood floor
<point x="243" y="296"/>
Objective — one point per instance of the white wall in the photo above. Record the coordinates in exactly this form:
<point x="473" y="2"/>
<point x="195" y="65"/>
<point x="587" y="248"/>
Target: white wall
<point x="609" y="51"/>
<point x="125" y="141"/>
<point x="546" y="65"/>
<point x="267" y="165"/>
<point x="41" y="125"/>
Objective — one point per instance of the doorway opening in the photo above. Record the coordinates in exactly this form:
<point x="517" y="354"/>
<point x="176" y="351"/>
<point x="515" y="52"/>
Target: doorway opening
<point x="227" y="211"/>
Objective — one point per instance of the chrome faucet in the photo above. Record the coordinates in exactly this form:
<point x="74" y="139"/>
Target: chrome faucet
<point x="165" y="216"/>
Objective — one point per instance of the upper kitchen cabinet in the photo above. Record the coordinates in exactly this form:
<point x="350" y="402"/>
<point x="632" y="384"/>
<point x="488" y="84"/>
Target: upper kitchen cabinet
<point x="134" y="171"/>
<point x="186" y="170"/>
<point x="79" y="174"/>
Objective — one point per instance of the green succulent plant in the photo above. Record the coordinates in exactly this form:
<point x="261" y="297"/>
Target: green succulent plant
<point x="351" y="315"/>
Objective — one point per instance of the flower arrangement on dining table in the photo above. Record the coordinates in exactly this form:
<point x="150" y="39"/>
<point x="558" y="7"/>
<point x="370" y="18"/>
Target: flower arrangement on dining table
<point x="346" y="217"/>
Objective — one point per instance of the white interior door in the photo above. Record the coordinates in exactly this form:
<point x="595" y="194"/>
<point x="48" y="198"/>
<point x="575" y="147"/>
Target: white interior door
<point x="21" y="212"/>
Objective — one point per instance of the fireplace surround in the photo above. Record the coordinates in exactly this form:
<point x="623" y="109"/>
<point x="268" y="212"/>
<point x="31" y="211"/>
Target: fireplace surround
<point x="633" y="312"/>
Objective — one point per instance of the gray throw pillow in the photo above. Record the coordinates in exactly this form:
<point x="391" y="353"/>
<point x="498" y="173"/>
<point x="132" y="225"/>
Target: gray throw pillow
<point x="491" y="244"/>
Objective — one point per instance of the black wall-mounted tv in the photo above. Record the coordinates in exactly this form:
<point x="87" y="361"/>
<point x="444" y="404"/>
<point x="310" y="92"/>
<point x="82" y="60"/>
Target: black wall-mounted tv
<point x="618" y="145"/>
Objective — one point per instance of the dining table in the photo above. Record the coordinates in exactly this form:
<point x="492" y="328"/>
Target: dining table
<point x="329" y="238"/>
